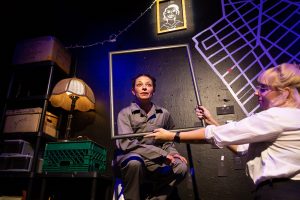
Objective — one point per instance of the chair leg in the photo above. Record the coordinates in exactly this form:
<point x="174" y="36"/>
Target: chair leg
<point x="118" y="190"/>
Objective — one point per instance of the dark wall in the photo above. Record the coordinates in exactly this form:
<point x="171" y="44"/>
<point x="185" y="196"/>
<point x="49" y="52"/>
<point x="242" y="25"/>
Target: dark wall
<point x="87" y="29"/>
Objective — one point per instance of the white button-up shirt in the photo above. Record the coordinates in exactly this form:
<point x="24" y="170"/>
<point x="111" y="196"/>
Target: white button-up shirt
<point x="274" y="138"/>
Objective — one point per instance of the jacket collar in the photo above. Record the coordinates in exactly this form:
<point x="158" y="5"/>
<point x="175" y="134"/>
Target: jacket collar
<point x="135" y="109"/>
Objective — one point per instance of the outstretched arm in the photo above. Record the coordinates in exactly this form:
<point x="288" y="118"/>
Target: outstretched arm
<point x="193" y="136"/>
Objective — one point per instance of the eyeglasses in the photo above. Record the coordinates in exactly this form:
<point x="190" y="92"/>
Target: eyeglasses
<point x="262" y="88"/>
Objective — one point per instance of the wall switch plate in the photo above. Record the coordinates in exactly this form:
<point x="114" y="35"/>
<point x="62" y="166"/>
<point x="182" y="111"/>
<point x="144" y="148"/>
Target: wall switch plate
<point x="222" y="170"/>
<point x="225" y="110"/>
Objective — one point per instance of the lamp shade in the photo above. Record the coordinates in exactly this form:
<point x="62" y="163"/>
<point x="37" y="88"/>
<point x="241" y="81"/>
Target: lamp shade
<point x="65" y="88"/>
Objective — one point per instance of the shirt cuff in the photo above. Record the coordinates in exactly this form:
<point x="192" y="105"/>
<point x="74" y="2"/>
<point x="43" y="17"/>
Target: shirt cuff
<point x="209" y="136"/>
<point x="208" y="132"/>
<point x="242" y="149"/>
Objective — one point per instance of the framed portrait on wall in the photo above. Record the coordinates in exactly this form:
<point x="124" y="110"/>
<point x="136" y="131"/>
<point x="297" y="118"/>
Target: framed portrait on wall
<point x="171" y="15"/>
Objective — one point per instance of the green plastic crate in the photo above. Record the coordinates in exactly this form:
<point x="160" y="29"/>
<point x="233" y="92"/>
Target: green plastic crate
<point x="74" y="156"/>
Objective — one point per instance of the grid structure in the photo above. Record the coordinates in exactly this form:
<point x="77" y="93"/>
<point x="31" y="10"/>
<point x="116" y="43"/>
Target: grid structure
<point x="74" y="156"/>
<point x="250" y="37"/>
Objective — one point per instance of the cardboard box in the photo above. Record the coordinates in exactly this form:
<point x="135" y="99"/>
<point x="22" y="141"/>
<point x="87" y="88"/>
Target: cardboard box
<point x="28" y="119"/>
<point x="46" y="48"/>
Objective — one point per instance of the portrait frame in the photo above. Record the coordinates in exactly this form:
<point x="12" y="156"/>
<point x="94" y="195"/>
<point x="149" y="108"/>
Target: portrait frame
<point x="177" y="18"/>
<point x="118" y="70"/>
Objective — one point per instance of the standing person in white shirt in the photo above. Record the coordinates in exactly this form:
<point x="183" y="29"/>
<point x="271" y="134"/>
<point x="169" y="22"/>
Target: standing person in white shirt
<point x="273" y="134"/>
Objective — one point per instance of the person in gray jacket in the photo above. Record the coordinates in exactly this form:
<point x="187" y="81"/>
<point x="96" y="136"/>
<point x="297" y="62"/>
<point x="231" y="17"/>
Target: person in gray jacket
<point x="139" y="158"/>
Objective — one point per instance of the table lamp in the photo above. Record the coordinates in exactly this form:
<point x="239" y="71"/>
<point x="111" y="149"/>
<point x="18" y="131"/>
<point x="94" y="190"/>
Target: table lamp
<point x="72" y="94"/>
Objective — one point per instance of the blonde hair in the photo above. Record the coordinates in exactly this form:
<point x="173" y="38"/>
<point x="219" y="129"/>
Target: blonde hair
<point x="280" y="77"/>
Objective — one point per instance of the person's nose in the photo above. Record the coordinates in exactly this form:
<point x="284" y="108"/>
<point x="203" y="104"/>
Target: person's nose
<point x="144" y="87"/>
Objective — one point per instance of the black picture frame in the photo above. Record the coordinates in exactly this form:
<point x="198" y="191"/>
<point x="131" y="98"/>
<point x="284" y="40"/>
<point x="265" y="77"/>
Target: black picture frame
<point x="157" y="61"/>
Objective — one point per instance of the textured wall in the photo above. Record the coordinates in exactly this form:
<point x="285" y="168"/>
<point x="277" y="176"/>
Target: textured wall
<point x="85" y="23"/>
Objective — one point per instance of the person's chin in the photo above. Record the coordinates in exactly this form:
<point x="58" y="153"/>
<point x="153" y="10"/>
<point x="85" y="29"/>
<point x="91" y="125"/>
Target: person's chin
<point x="263" y="107"/>
<point x="144" y="97"/>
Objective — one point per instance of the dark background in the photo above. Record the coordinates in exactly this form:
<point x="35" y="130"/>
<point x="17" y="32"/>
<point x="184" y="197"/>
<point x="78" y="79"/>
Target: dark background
<point x="133" y="25"/>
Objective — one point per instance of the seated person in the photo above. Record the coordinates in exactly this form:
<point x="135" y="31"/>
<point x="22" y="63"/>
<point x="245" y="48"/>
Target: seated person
<point x="141" y="158"/>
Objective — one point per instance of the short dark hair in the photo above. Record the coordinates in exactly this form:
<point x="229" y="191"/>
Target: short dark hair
<point x="148" y="75"/>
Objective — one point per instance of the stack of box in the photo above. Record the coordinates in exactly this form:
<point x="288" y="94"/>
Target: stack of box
<point x="16" y="155"/>
<point x="28" y="120"/>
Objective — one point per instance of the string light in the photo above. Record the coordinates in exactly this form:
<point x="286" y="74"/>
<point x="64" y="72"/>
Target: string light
<point x="113" y="37"/>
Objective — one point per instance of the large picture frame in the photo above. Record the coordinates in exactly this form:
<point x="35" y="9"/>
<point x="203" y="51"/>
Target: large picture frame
<point x="170" y="65"/>
<point x="171" y="15"/>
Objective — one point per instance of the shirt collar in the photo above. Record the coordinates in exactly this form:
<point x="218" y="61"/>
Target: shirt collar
<point x="135" y="108"/>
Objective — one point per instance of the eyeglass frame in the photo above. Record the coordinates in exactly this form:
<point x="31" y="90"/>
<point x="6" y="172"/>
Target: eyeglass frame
<point x="262" y="88"/>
